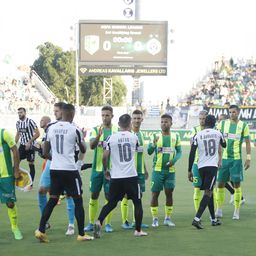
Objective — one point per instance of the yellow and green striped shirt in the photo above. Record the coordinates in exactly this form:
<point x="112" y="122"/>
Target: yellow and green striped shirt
<point x="168" y="148"/>
<point x="139" y="155"/>
<point x="6" y="143"/>
<point x="194" y="131"/>
<point x="234" y="133"/>
<point x="98" y="151"/>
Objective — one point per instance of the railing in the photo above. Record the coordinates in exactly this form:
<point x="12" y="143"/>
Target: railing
<point x="41" y="86"/>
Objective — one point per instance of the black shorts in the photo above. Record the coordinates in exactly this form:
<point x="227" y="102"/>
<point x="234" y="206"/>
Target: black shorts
<point x="68" y="181"/>
<point x="26" y="154"/>
<point x="208" y="175"/>
<point x="119" y="187"/>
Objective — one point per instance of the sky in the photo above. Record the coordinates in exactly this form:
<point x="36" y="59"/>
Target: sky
<point x="202" y="31"/>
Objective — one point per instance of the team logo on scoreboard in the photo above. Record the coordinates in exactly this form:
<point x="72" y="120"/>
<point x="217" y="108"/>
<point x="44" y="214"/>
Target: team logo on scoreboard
<point x="154" y="46"/>
<point x="91" y="44"/>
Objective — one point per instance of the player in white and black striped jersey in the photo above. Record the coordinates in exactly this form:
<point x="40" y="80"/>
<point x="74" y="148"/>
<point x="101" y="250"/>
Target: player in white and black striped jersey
<point x="208" y="142"/>
<point x="27" y="133"/>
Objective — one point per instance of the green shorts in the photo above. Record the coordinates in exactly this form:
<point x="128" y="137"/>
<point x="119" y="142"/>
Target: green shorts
<point x="162" y="180"/>
<point x="231" y="170"/>
<point x="7" y="190"/>
<point x="97" y="181"/>
<point x="197" y="181"/>
<point x="141" y="179"/>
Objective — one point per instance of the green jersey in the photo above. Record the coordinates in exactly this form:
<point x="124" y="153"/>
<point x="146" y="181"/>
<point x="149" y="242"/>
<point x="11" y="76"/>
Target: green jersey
<point x="167" y="148"/>
<point x="98" y="151"/>
<point x="194" y="131"/>
<point x="234" y="133"/>
<point x="6" y="143"/>
<point x="139" y="155"/>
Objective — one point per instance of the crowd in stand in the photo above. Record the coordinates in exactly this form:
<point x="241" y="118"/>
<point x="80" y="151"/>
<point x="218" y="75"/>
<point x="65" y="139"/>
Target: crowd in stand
<point x="230" y="82"/>
<point x="21" y="92"/>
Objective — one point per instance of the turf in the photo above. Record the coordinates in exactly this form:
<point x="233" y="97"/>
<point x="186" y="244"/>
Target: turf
<point x="232" y="238"/>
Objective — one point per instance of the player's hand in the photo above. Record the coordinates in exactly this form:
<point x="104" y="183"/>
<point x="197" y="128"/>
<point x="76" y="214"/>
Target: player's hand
<point x="100" y="130"/>
<point x="247" y="164"/>
<point x="155" y="140"/>
<point x="107" y="175"/>
<point x="28" y="146"/>
<point x="17" y="175"/>
<point x="169" y="164"/>
<point x="219" y="163"/>
<point x="84" y="132"/>
<point x="190" y="176"/>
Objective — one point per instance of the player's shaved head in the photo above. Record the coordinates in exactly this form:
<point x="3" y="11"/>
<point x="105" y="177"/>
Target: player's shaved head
<point x="45" y="120"/>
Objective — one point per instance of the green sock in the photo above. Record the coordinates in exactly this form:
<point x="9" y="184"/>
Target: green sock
<point x="168" y="211"/>
<point x="93" y="208"/>
<point x="124" y="210"/>
<point x="12" y="213"/>
<point x="220" y="197"/>
<point x="237" y="197"/>
<point x="197" y="198"/>
<point x="154" y="211"/>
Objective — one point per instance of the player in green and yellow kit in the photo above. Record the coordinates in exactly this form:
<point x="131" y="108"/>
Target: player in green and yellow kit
<point x="98" y="137"/>
<point x="7" y="177"/>
<point x="195" y="173"/>
<point x="167" y="148"/>
<point x="137" y="119"/>
<point x="235" y="131"/>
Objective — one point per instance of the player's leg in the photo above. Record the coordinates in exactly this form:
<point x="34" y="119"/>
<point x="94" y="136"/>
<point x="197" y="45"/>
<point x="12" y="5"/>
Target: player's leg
<point x="196" y="183"/>
<point x="208" y="175"/>
<point x="156" y="187"/>
<point x="124" y="214"/>
<point x="236" y="176"/>
<point x="169" y="185"/>
<point x="223" y="178"/>
<point x="44" y="186"/>
<point x="7" y="195"/>
<point x="132" y="189"/>
<point x="56" y="189"/>
<point x="96" y="184"/>
<point x="73" y="187"/>
<point x="142" y="185"/>
<point x="108" y="226"/>
<point x="31" y="159"/>
<point x="71" y="216"/>
<point x="116" y="193"/>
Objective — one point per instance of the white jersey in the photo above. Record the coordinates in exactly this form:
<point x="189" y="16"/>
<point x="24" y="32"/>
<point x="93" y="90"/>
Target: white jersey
<point x="122" y="145"/>
<point x="208" y="142"/>
<point x="63" y="137"/>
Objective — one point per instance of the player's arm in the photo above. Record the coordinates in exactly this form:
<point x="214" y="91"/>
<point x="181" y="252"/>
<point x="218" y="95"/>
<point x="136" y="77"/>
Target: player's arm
<point x="191" y="158"/>
<point x="246" y="136"/>
<point x="248" y="153"/>
<point x="152" y="144"/>
<point x="95" y="140"/>
<point x="8" y="138"/>
<point x="16" y="161"/>
<point x="145" y="171"/>
<point x="105" y="159"/>
<point x="46" y="150"/>
<point x="35" y="136"/>
<point x="223" y="142"/>
<point x="17" y="136"/>
<point x="178" y="151"/>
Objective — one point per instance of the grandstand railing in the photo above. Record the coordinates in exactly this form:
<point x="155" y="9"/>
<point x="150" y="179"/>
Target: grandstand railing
<point x="42" y="86"/>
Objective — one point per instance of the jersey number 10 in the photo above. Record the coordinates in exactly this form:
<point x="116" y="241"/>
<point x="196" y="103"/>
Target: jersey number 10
<point x="125" y="152"/>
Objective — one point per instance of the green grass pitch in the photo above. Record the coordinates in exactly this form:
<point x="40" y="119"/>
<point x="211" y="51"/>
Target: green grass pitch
<point x="232" y="238"/>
